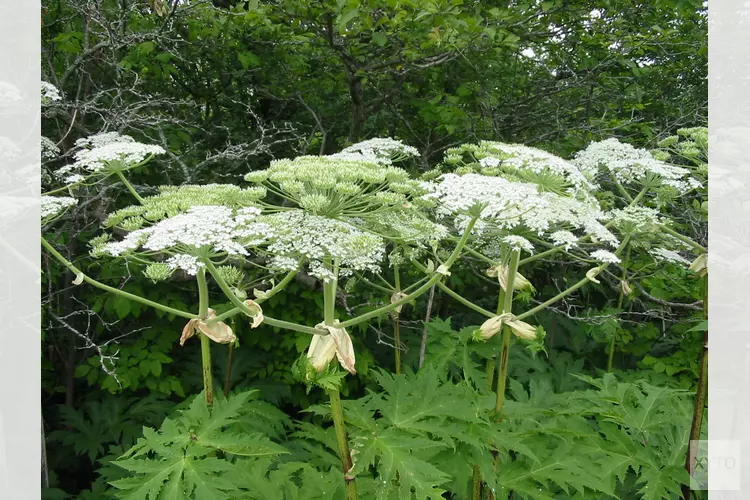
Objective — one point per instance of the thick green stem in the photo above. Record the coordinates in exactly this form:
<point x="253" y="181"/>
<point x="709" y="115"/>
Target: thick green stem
<point x="701" y="393"/>
<point x="208" y="382"/>
<point x="683" y="238"/>
<point x="183" y="314"/>
<point x="329" y="312"/>
<point x="396" y="322"/>
<point x="466" y="302"/>
<point x="130" y="187"/>
<point x="343" y="443"/>
<point x="507" y="308"/>
<point x="620" y="299"/>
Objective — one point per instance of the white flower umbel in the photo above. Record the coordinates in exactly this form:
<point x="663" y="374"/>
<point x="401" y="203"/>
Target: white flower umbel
<point x="518" y="243"/>
<point x="202" y="231"/>
<point x="52" y="206"/>
<point x="635" y="219"/>
<point x="113" y="152"/>
<point x="49" y="93"/>
<point x="563" y="238"/>
<point x="511" y="205"/>
<point x="520" y="162"/>
<point x="174" y="200"/>
<point x="302" y="238"/>
<point x="49" y="149"/>
<point x="665" y="255"/>
<point x="187" y="263"/>
<point x="103" y="139"/>
<point x="407" y="227"/>
<point x="630" y="165"/>
<point x="605" y="256"/>
<point x="336" y="187"/>
<point x="380" y="150"/>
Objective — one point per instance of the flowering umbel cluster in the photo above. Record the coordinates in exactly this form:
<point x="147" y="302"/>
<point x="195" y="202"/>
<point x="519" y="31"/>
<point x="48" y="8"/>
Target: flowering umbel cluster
<point x="110" y="152"/>
<point x="630" y="165"/>
<point x="329" y="247"/>
<point x="515" y="206"/>
<point x="378" y="150"/>
<point x="50" y="93"/>
<point x="52" y="206"/>
<point x="517" y="162"/>
<point x="174" y="200"/>
<point x="335" y="187"/>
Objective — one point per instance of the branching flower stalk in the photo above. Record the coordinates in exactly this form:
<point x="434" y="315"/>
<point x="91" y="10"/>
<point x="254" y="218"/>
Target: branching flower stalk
<point x="136" y="298"/>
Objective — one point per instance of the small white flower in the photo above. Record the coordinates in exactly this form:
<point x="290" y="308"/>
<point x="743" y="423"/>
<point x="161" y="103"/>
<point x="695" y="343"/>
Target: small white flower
<point x="489" y="162"/>
<point x="668" y="256"/>
<point x="563" y="238"/>
<point x="53" y="205"/>
<point x="299" y="237"/>
<point x="49" y="149"/>
<point x="49" y="93"/>
<point x="187" y="263"/>
<point x="630" y="165"/>
<point x="105" y="150"/>
<point x="73" y="179"/>
<point x="508" y="205"/>
<point x="526" y="158"/>
<point x="518" y="243"/>
<point x="201" y="228"/>
<point x="378" y="150"/>
<point x="605" y="256"/>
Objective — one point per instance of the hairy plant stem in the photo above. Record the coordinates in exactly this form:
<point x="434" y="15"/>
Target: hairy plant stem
<point x="230" y="355"/>
<point x="170" y="310"/>
<point x="208" y="382"/>
<point x="130" y="187"/>
<point x="337" y="412"/>
<point x="620" y="299"/>
<point x="396" y="323"/>
<point x="428" y="314"/>
<point x="507" y="308"/>
<point x="476" y="476"/>
<point x="701" y="393"/>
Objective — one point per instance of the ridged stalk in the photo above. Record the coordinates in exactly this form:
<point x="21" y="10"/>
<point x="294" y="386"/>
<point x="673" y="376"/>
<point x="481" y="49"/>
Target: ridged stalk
<point x="208" y="382"/>
<point x="337" y="412"/>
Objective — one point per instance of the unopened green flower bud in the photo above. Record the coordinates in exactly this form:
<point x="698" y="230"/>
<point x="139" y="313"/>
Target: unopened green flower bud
<point x="256" y="177"/>
<point x="158" y="271"/>
<point x="668" y="141"/>
<point x="315" y="203"/>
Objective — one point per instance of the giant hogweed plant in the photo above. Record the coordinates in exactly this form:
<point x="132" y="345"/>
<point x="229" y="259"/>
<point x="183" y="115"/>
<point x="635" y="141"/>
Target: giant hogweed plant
<point x="336" y="218"/>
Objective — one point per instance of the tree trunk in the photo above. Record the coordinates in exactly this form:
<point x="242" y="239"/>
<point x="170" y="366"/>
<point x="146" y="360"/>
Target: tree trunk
<point x="358" y="109"/>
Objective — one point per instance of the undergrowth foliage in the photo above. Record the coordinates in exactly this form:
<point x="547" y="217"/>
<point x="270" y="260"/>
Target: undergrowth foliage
<point x="310" y="284"/>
